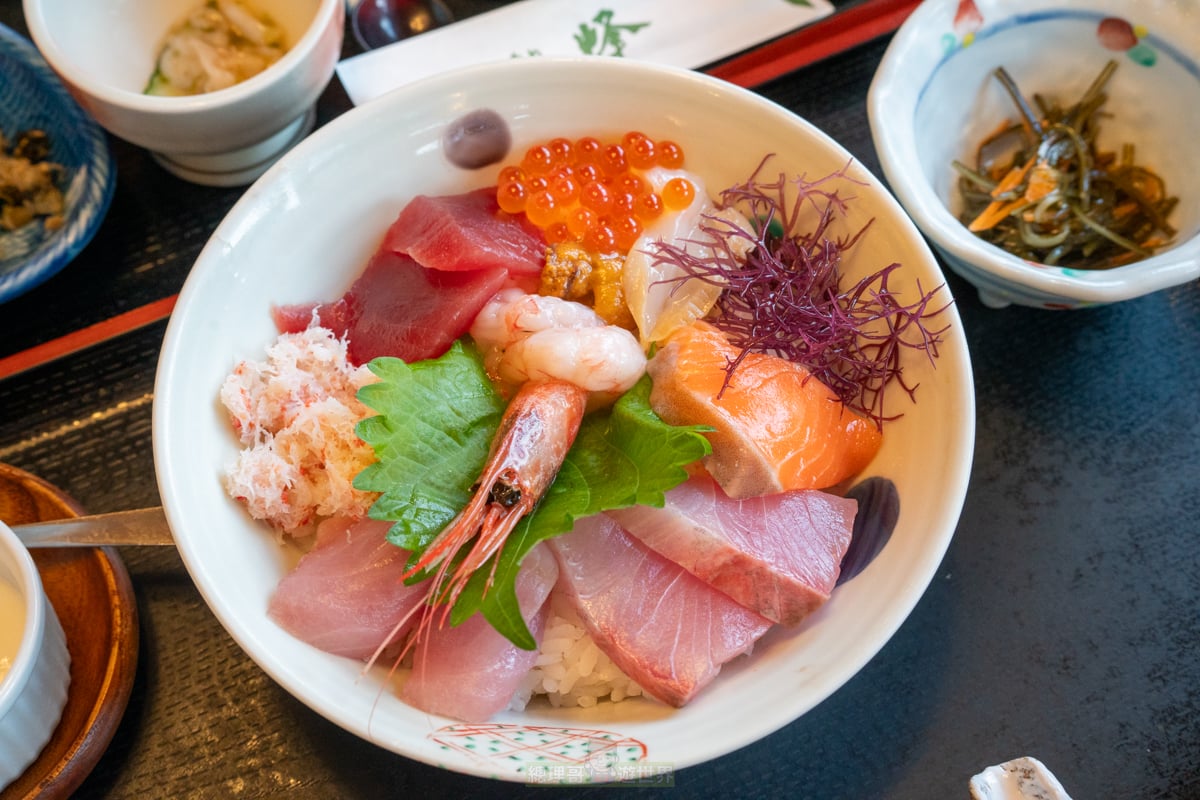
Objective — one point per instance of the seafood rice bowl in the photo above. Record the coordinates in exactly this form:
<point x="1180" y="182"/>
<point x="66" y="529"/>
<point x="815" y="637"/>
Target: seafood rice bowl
<point x="426" y="418"/>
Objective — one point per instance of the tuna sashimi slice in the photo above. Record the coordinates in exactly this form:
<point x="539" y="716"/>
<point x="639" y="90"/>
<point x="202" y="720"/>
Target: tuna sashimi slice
<point x="466" y="232"/>
<point x="470" y="672"/>
<point x="665" y="628"/>
<point x="778" y="554"/>
<point x="345" y="596"/>
<point x="399" y="308"/>
<point x="777" y="427"/>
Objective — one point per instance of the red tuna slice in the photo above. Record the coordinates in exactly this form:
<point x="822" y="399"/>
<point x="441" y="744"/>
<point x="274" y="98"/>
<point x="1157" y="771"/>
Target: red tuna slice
<point x="466" y="232"/>
<point x="668" y="630"/>
<point x="778" y="554"/>
<point x="399" y="308"/>
<point x="345" y="596"/>
<point x="470" y="672"/>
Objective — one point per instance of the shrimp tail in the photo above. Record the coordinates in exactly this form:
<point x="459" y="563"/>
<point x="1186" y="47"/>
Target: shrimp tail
<point x="537" y="429"/>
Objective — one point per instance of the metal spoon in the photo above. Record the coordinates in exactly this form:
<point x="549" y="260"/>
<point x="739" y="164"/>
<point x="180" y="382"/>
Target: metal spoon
<point x="144" y="526"/>
<point x="382" y="22"/>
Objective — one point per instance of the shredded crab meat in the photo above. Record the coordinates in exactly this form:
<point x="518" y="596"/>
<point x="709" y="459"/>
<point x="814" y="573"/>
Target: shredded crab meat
<point x="295" y="415"/>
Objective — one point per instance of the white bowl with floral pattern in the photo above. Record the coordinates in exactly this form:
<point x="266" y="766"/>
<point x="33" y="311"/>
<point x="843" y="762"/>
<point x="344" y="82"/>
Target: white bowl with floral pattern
<point x="934" y="98"/>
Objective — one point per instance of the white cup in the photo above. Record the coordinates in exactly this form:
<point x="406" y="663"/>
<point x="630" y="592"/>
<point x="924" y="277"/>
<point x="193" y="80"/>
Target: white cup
<point x="33" y="690"/>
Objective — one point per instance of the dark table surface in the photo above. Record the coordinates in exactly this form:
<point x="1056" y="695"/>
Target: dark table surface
<point x="1064" y="622"/>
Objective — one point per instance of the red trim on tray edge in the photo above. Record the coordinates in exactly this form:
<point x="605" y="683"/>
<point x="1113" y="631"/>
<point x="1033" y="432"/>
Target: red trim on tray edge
<point x="86" y="337"/>
<point x="832" y="35"/>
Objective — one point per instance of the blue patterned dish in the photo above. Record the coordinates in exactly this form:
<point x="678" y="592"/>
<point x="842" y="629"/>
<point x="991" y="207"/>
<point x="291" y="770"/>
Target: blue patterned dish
<point x="31" y="96"/>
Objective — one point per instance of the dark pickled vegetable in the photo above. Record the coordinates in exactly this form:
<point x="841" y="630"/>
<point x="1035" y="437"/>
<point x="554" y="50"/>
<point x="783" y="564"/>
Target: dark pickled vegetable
<point x="30" y="183"/>
<point x="1042" y="190"/>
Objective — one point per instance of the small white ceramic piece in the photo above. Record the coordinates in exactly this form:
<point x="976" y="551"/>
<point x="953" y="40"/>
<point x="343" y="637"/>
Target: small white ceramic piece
<point x="105" y="51"/>
<point x="934" y="98"/>
<point x="1023" y="778"/>
<point x="33" y="691"/>
<point x="306" y="229"/>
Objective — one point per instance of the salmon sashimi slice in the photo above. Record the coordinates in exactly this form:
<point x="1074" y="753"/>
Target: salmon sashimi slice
<point x="663" y="627"/>
<point x="778" y="428"/>
<point x="778" y="554"/>
<point x="469" y="671"/>
<point x="345" y="596"/>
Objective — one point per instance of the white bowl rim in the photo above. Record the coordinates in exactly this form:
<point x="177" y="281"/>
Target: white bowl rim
<point x="30" y="587"/>
<point x="944" y="523"/>
<point x="892" y="99"/>
<point x="40" y="28"/>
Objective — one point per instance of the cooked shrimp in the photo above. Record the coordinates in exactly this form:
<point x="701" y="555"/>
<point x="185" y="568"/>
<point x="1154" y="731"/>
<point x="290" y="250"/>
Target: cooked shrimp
<point x="561" y="355"/>
<point x="535" y="433"/>
<point x="529" y="337"/>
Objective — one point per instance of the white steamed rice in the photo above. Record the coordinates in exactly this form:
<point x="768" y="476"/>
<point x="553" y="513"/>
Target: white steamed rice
<point x="571" y="670"/>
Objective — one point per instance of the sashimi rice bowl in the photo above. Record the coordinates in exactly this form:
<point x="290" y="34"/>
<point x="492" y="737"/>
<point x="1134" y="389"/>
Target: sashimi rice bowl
<point x="601" y="412"/>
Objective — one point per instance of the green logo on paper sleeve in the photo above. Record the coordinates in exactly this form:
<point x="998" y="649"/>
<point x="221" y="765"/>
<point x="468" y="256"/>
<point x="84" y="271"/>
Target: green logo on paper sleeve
<point x="604" y="37"/>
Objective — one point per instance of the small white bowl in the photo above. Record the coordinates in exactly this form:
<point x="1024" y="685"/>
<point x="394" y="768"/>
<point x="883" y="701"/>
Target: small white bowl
<point x="33" y="691"/>
<point x="934" y="98"/>
<point x="105" y="52"/>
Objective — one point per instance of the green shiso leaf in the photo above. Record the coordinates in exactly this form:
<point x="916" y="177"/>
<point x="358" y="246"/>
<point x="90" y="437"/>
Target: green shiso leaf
<point x="627" y="456"/>
<point x="432" y="436"/>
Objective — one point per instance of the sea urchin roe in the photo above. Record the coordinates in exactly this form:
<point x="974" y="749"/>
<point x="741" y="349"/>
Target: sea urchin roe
<point x="574" y="273"/>
<point x="590" y="191"/>
<point x="221" y="43"/>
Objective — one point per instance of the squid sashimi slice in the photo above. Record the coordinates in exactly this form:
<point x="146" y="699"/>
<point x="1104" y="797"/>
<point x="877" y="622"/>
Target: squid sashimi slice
<point x="660" y="294"/>
<point x="399" y="308"/>
<point x="778" y="554"/>
<point x="665" y="628"/>
<point x="470" y="672"/>
<point x="777" y="427"/>
<point x="466" y="232"/>
<point x="345" y="595"/>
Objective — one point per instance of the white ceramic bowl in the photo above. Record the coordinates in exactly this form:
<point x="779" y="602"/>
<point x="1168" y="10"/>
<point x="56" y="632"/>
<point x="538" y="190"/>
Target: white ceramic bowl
<point x="105" y="52"/>
<point x="305" y="230"/>
<point x="934" y="98"/>
<point x="34" y="690"/>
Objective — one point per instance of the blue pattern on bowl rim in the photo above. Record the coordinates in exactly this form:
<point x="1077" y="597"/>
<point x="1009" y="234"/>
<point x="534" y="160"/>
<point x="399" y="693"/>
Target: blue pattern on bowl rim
<point x="31" y="96"/>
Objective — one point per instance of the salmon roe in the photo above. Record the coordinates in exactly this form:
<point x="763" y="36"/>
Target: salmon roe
<point x="589" y="191"/>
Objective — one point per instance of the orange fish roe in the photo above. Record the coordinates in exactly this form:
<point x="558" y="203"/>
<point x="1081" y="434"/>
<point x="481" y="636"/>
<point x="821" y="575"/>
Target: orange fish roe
<point x="589" y="192"/>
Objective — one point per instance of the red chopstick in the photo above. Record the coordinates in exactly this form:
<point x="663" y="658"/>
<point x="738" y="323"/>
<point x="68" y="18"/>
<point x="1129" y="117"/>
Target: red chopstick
<point x="86" y="337"/>
<point x="826" y="37"/>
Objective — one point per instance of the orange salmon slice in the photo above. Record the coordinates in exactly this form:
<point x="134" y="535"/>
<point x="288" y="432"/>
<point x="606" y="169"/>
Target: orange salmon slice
<point x="778" y="428"/>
